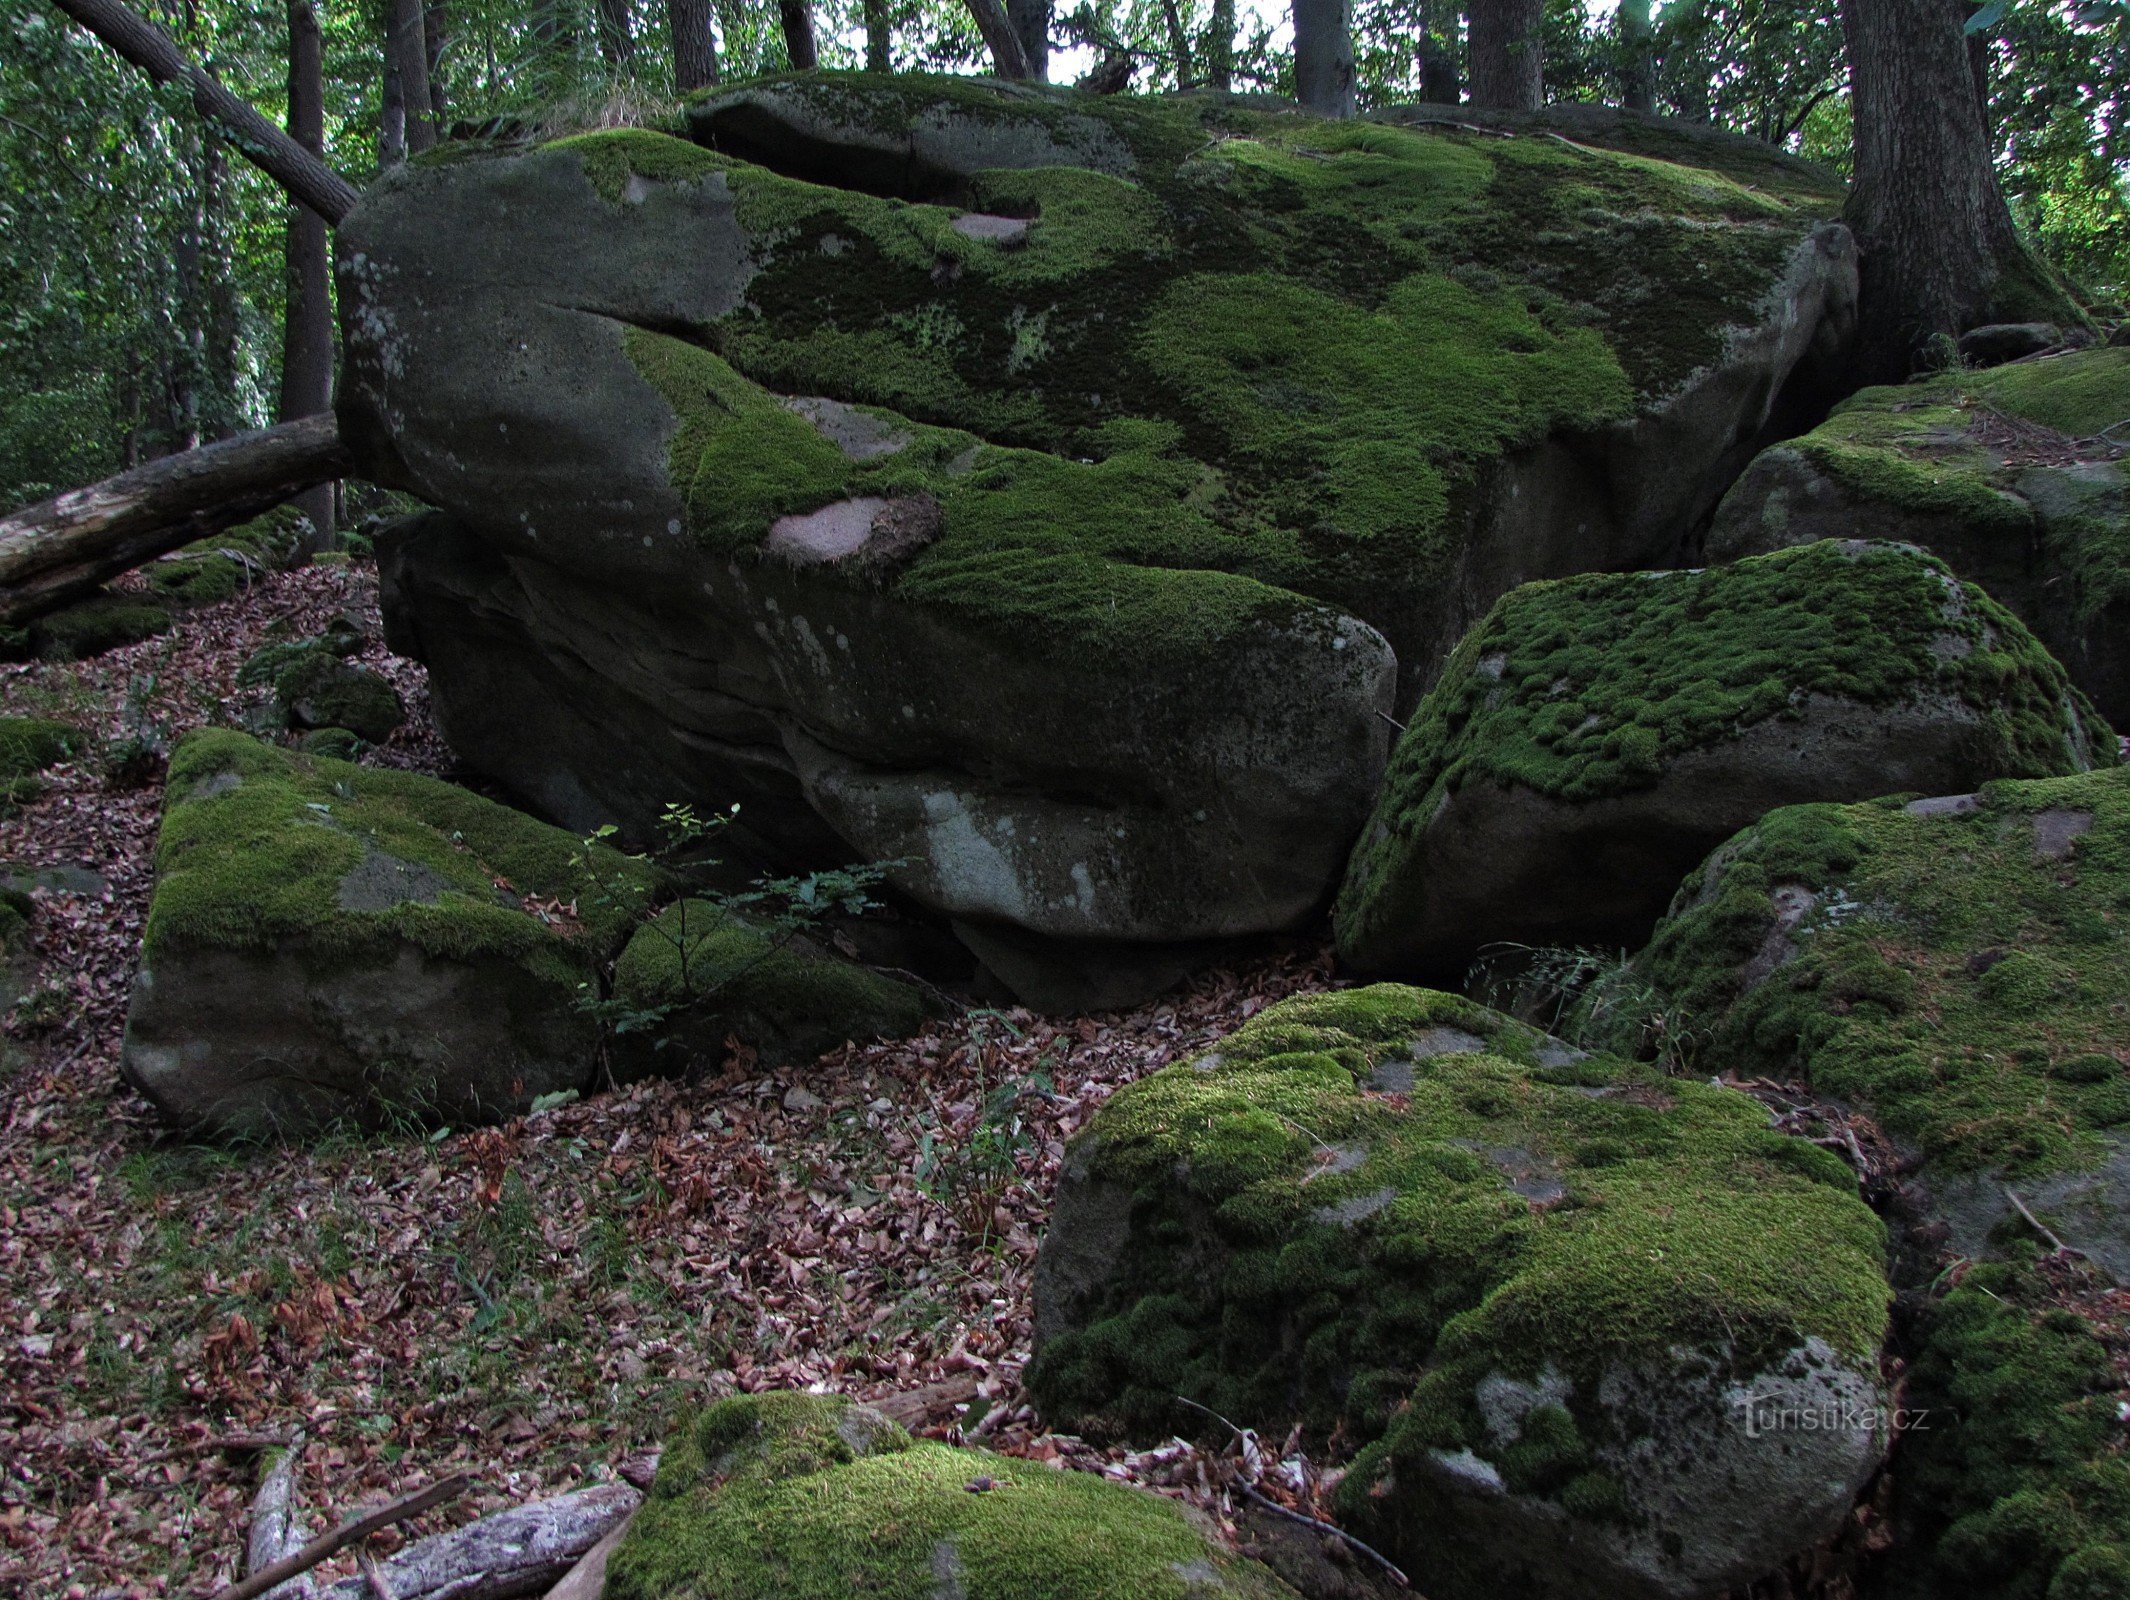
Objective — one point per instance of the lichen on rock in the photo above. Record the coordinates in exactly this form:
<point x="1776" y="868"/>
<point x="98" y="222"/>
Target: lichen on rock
<point x="1535" y="1284"/>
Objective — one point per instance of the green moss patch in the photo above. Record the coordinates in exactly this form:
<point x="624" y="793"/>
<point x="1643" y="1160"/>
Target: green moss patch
<point x="1961" y="975"/>
<point x="1332" y="1222"/>
<point x="225" y="564"/>
<point x="102" y="622"/>
<point x="262" y="847"/>
<point x="806" y="1497"/>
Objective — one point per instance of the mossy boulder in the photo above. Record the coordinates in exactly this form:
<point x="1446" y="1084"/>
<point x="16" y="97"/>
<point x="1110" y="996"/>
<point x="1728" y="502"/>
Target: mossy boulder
<point x="1053" y="493"/>
<point x="104" y="621"/>
<point x="333" y="943"/>
<point x="28" y="745"/>
<point x="1955" y="966"/>
<point x="1572" y="1310"/>
<point x="316" y="688"/>
<point x="2005" y="474"/>
<point x="709" y="976"/>
<point x="1594" y="737"/>
<point x="810" y="1497"/>
<point x="225" y="564"/>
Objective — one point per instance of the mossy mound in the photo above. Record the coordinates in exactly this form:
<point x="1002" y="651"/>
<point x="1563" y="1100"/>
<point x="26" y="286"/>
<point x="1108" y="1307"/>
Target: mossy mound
<point x="809" y="1497"/>
<point x="225" y="564"/>
<point x="104" y="621"/>
<point x="711" y="977"/>
<point x="28" y="745"/>
<point x="2014" y="1484"/>
<point x="2003" y="473"/>
<point x="327" y="940"/>
<point x="316" y="688"/>
<point x="1594" y="736"/>
<point x="1398" y="1215"/>
<point x="1956" y="967"/>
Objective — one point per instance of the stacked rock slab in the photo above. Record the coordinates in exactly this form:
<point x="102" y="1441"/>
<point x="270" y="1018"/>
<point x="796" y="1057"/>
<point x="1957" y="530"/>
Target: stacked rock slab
<point x="809" y="1497"/>
<point x="2013" y="476"/>
<point x="333" y="943"/>
<point x="1594" y="737"/>
<point x="1056" y="504"/>
<point x="1578" y="1313"/>
<point x="1956" y="968"/>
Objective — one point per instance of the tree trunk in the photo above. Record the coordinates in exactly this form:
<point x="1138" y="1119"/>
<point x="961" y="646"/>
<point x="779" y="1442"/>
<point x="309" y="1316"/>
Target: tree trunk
<point x="1926" y="208"/>
<point x="1220" y="48"/>
<point x="1008" y="59"/>
<point x="879" y="37"/>
<point x="148" y="47"/>
<point x="1031" y="25"/>
<point x="1323" y="57"/>
<point x="391" y="112"/>
<point x="617" y="40"/>
<point x="307" y="329"/>
<point x="694" y="45"/>
<point x="64" y="547"/>
<point x="436" y="34"/>
<point x="1179" y="45"/>
<point x="408" y="40"/>
<point x="1507" y="65"/>
<point x="1638" y="60"/>
<point x="798" y="17"/>
<point x="1440" y="82"/>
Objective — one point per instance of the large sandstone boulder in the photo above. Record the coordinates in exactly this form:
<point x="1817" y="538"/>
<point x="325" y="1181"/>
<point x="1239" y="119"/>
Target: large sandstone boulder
<point x="1954" y="966"/>
<point x="333" y="943"/>
<point x="2007" y="475"/>
<point x="1048" y="493"/>
<point x="1603" y="1334"/>
<point x="809" y="1497"/>
<point x="1593" y="738"/>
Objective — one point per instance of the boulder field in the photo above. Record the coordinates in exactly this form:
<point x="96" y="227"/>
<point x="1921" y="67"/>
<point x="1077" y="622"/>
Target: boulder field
<point x="1056" y="495"/>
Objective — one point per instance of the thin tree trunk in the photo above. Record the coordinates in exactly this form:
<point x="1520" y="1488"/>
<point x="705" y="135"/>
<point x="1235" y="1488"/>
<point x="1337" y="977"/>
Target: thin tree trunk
<point x="1323" y="57"/>
<point x="1440" y="82"/>
<point x="879" y="38"/>
<point x="148" y="47"/>
<point x="307" y="330"/>
<point x="617" y="39"/>
<point x="1031" y="24"/>
<point x="1507" y="60"/>
<point x="410" y="51"/>
<point x="1926" y="207"/>
<point x="1638" y="61"/>
<point x="1179" y="45"/>
<point x="436" y="34"/>
<point x="1220" y="48"/>
<point x="694" y="45"/>
<point x="391" y="111"/>
<point x="1008" y="58"/>
<point x="798" y="17"/>
<point x="64" y="547"/>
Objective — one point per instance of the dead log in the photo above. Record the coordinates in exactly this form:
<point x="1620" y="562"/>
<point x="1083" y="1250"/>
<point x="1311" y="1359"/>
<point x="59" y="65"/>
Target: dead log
<point x="307" y="179"/>
<point x="587" y="1579"/>
<point x="64" y="547"/>
<point x="523" y="1551"/>
<point x="272" y="1576"/>
<point x="276" y="1531"/>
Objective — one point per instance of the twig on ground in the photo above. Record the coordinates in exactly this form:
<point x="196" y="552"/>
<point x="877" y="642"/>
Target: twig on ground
<point x="2040" y="1227"/>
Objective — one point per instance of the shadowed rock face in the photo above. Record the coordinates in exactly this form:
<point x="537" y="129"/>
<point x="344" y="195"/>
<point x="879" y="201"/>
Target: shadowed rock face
<point x="1053" y="496"/>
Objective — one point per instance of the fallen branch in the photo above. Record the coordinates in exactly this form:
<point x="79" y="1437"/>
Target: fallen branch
<point x="360" y="1527"/>
<point x="276" y="1532"/>
<point x="64" y="547"/>
<point x="587" y="1579"/>
<point x="2041" y="1227"/>
<point x="523" y="1551"/>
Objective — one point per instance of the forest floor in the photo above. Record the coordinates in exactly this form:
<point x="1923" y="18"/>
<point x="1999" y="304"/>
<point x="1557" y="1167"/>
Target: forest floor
<point x="535" y="1303"/>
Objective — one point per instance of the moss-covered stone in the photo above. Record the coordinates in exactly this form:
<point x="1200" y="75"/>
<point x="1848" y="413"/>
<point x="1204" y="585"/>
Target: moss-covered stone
<point x="715" y="978"/>
<point x="1594" y="736"/>
<point x="1396" y="1215"/>
<point x="322" y="691"/>
<point x="327" y="940"/>
<point x="2003" y="473"/>
<point x="808" y="1497"/>
<point x="225" y="564"/>
<point x="28" y="745"/>
<point x="102" y="622"/>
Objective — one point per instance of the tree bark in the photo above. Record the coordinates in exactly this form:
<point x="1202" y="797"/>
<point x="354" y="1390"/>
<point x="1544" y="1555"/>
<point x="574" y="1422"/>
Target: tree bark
<point x="522" y="1551"/>
<point x="1926" y="207"/>
<point x="408" y="39"/>
<point x="1031" y="25"/>
<point x="1507" y="64"/>
<point x="148" y="47"/>
<point x="391" y="110"/>
<point x="1220" y="48"/>
<point x="879" y="37"/>
<point x="1179" y="45"/>
<point x="694" y="45"/>
<point x="436" y="35"/>
<point x="617" y="40"/>
<point x="1008" y="59"/>
<point x="307" y="326"/>
<point x="1323" y="57"/>
<point x="1638" y="61"/>
<point x="64" y="547"/>
<point x="798" y="18"/>
<point x="1440" y="82"/>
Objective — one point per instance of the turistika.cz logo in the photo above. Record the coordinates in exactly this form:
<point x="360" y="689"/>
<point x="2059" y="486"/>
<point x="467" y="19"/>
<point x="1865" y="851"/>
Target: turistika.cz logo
<point x="1765" y="1414"/>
